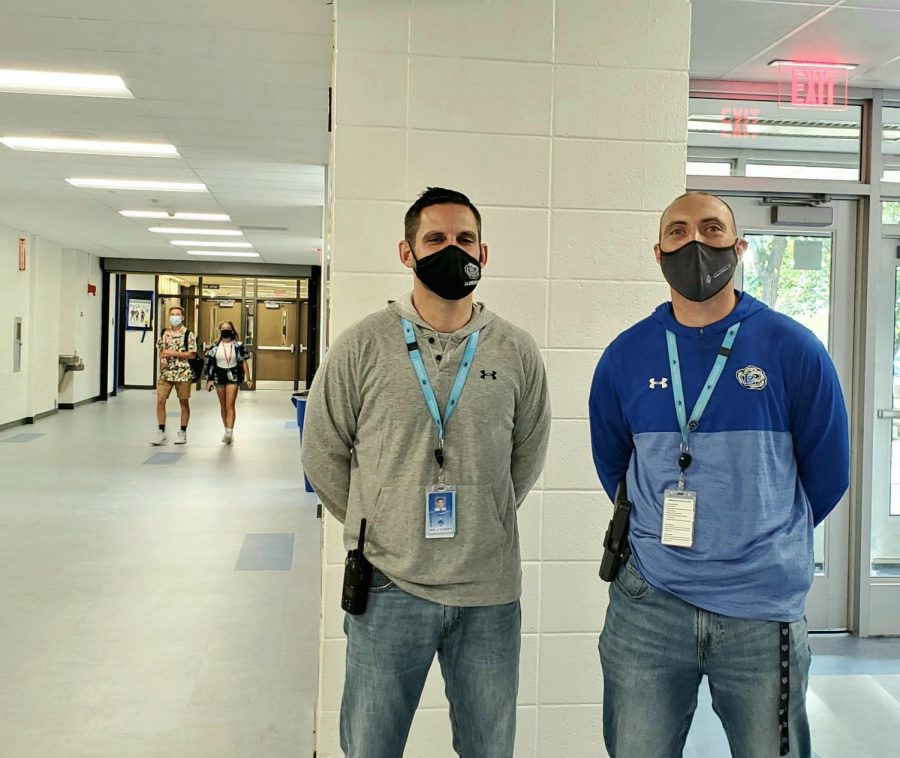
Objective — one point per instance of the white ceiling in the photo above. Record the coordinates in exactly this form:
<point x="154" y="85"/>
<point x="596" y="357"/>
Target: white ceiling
<point x="239" y="87"/>
<point x="736" y="39"/>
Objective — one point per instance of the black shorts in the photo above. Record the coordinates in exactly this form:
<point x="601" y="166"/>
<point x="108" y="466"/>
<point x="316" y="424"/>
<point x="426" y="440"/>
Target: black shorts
<point x="221" y="376"/>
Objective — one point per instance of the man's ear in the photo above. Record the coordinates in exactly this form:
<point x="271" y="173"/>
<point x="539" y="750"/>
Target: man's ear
<point x="406" y="254"/>
<point x="484" y="255"/>
<point x="740" y="247"/>
<point x="656" y="252"/>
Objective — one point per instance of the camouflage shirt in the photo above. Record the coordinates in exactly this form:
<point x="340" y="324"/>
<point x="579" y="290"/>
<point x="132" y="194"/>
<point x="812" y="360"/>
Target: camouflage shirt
<point x="177" y="369"/>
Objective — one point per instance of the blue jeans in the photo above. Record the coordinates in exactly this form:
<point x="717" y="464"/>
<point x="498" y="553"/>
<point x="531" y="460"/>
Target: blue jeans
<point x="390" y="649"/>
<point x="655" y="650"/>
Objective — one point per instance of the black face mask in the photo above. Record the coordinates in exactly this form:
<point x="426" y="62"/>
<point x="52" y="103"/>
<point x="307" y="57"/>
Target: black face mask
<point x="227" y="334"/>
<point x="697" y="271"/>
<point x="450" y="273"/>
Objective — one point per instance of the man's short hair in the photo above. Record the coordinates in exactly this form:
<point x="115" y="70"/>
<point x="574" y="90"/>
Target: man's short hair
<point x="436" y="196"/>
<point x="707" y="194"/>
<point x="176" y="308"/>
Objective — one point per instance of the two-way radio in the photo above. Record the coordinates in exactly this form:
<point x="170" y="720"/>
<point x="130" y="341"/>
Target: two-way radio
<point x="615" y="544"/>
<point x="357" y="577"/>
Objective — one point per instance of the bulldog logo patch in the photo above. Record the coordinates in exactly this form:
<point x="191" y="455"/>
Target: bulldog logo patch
<point x="752" y="378"/>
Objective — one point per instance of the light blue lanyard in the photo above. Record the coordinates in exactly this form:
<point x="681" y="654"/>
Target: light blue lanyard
<point x="430" y="400"/>
<point x="688" y="426"/>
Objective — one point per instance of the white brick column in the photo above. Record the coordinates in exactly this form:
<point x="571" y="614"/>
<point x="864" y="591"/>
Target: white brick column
<point x="564" y="121"/>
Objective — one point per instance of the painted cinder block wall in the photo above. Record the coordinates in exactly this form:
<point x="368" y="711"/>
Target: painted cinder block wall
<point x="565" y="122"/>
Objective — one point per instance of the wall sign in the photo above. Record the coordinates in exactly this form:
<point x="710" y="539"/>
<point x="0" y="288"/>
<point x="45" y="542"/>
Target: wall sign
<point x="808" y="85"/>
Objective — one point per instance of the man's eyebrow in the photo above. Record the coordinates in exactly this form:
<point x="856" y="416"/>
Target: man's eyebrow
<point x="675" y="222"/>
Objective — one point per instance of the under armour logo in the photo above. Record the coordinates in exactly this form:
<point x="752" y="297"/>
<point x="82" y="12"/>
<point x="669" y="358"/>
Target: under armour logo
<point x="486" y="374"/>
<point x="664" y="383"/>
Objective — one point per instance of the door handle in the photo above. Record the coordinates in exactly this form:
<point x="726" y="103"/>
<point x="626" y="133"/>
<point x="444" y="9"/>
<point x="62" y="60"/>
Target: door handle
<point x="888" y="413"/>
<point x="303" y="348"/>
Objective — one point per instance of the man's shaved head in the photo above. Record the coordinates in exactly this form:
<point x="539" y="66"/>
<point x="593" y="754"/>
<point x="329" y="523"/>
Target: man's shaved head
<point x="673" y="205"/>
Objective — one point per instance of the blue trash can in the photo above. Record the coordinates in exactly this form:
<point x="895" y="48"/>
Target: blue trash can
<point x="299" y="400"/>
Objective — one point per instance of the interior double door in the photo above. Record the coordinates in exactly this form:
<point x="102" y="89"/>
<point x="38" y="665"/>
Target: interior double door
<point x="279" y="331"/>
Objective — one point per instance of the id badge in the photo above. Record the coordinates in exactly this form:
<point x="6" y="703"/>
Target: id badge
<point x="440" y="511"/>
<point x="679" y="511"/>
<point x="230" y="375"/>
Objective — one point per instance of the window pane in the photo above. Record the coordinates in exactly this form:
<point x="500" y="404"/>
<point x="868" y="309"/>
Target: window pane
<point x="792" y="274"/>
<point x="801" y="172"/>
<point x="775" y="141"/>
<point x="890" y="145"/>
<point x="702" y="168"/>
<point x="886" y="521"/>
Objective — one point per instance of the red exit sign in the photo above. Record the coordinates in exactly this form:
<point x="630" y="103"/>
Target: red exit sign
<point x="812" y="86"/>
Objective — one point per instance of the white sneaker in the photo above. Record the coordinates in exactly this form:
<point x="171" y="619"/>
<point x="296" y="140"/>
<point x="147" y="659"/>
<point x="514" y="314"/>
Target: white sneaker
<point x="181" y="438"/>
<point x="160" y="438"/>
<point x="228" y="437"/>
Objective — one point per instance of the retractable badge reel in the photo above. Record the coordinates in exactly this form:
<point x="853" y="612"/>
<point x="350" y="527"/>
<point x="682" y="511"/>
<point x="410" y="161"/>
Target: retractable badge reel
<point x="679" y="507"/>
<point x="440" y="504"/>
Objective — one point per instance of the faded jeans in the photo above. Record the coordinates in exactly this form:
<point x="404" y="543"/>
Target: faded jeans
<point x="655" y="650"/>
<point x="390" y="649"/>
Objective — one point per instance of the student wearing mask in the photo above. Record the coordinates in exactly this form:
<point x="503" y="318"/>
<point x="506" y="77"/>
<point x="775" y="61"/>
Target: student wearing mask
<point x="227" y="368"/>
<point x="175" y="346"/>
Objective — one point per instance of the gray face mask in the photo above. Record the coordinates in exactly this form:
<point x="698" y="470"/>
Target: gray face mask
<point x="697" y="271"/>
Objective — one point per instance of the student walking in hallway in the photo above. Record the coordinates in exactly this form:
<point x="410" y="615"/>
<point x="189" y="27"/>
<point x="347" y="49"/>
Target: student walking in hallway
<point x="227" y="368"/>
<point x="176" y="345"/>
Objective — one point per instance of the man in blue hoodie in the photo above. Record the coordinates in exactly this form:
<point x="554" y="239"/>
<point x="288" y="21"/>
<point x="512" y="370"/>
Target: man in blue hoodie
<point x="727" y="422"/>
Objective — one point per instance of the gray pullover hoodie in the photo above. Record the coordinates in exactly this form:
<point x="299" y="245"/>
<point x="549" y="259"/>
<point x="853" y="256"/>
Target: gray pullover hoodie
<point x="369" y="441"/>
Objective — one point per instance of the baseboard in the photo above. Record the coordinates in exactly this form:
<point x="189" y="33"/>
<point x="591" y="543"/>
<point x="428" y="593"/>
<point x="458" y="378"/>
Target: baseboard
<point x="73" y="406"/>
<point x="27" y="420"/>
<point x="138" y="386"/>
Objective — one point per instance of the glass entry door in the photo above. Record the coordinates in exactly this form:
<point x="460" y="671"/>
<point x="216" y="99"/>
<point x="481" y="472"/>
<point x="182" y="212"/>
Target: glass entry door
<point x="880" y="595"/>
<point x="807" y="272"/>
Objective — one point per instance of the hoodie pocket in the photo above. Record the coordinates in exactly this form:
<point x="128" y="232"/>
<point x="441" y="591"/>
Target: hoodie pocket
<point x="478" y="553"/>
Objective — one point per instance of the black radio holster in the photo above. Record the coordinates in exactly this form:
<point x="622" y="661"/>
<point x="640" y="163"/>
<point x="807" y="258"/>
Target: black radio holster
<point x="615" y="544"/>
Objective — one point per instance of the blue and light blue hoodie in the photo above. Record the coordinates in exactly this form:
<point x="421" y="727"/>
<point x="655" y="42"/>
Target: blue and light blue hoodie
<point x="770" y="457"/>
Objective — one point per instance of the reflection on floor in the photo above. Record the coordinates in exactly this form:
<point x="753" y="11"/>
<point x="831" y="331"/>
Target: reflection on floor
<point x="854" y="702"/>
<point x="165" y="611"/>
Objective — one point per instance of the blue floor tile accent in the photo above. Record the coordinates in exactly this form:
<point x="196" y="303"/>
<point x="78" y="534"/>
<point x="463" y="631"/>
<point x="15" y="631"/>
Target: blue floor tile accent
<point x="266" y="552"/>
<point x="163" y="459"/>
<point x="23" y="437"/>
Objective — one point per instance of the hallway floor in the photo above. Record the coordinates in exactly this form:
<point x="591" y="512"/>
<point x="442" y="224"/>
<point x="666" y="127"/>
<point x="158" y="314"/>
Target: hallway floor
<point x="157" y="601"/>
<point x="164" y="602"/>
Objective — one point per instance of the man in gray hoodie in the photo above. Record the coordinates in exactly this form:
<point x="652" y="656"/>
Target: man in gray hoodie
<point x="430" y="420"/>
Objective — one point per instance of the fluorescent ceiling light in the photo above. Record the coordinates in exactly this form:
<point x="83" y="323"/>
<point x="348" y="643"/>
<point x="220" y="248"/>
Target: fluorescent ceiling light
<point x="177" y="216"/>
<point x="811" y="64"/>
<point x="90" y="147"/>
<point x="128" y="184"/>
<point x="211" y="232"/>
<point x="59" y="83"/>
<point x="229" y="254"/>
<point x="208" y="243"/>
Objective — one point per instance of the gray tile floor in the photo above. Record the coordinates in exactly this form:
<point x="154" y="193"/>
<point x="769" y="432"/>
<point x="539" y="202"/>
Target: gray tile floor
<point x="172" y="611"/>
<point x="853" y="702"/>
<point x="125" y="629"/>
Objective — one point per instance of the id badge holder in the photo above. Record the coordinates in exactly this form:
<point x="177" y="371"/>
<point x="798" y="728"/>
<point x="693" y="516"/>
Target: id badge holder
<point x="679" y="512"/>
<point x="440" y="511"/>
<point x="230" y="375"/>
